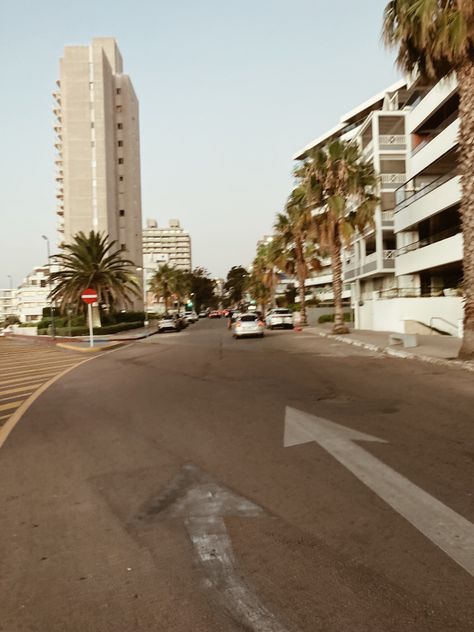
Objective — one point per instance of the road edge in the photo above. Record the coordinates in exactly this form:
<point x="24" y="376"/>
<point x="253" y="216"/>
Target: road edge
<point x="7" y="428"/>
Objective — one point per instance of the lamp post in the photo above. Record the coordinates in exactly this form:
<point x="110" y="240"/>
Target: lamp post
<point x="139" y="269"/>
<point x="53" y="326"/>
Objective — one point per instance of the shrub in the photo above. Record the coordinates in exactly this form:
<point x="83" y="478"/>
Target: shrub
<point x="84" y="330"/>
<point x="329" y="318"/>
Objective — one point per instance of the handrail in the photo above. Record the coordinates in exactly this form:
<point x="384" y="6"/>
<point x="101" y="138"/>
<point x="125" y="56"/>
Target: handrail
<point x="443" y="320"/>
<point x="428" y="241"/>
<point x="412" y="196"/>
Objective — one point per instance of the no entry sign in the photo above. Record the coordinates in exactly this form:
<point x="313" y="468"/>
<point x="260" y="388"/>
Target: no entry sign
<point x="89" y="296"/>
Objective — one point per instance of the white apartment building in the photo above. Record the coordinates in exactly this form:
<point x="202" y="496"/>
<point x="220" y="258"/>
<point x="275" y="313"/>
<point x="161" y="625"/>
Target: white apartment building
<point x="8" y="303"/>
<point x="171" y="245"/>
<point x="378" y="126"/>
<point x="428" y="265"/>
<point x="32" y="295"/>
<point x="98" y="147"/>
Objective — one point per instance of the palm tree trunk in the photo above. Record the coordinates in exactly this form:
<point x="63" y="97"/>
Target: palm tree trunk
<point x="466" y="163"/>
<point x="300" y="271"/>
<point x="339" y="326"/>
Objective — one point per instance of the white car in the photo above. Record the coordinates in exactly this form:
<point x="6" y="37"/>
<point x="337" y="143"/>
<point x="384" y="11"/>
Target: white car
<point x="169" y="322"/>
<point x="191" y="316"/>
<point x="279" y="317"/>
<point x="248" y="325"/>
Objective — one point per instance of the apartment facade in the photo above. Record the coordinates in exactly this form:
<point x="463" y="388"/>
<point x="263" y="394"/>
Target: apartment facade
<point x="98" y="147"/>
<point x="170" y="244"/>
<point x="32" y="295"/>
<point x="378" y="127"/>
<point x="8" y="303"/>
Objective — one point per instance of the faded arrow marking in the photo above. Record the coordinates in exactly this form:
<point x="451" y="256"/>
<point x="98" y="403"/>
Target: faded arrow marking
<point x="202" y="504"/>
<point x="443" y="526"/>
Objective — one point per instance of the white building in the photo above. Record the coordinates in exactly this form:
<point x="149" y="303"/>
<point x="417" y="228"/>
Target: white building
<point x="171" y="245"/>
<point x="8" y="303"/>
<point x="378" y="126"/>
<point x="32" y="295"/>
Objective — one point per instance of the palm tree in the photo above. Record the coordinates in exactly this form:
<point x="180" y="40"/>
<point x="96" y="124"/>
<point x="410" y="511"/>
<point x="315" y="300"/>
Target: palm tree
<point x="164" y="284"/>
<point x="339" y="186"/>
<point x="297" y="254"/>
<point x="90" y="261"/>
<point x="264" y="268"/>
<point x="435" y="39"/>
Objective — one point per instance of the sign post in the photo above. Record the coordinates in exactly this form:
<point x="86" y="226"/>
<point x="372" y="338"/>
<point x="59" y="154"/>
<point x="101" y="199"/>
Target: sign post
<point x="89" y="296"/>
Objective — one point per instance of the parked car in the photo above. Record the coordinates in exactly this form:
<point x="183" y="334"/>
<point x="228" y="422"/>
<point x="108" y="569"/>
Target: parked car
<point x="279" y="317"/>
<point x="191" y="316"/>
<point x="248" y="325"/>
<point x="203" y="314"/>
<point x="215" y="313"/>
<point x="169" y="322"/>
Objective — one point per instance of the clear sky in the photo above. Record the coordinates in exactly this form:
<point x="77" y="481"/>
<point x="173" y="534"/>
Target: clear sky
<point x="228" y="91"/>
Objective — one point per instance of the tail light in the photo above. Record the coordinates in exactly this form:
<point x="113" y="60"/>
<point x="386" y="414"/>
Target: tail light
<point x="238" y="324"/>
<point x="261" y="323"/>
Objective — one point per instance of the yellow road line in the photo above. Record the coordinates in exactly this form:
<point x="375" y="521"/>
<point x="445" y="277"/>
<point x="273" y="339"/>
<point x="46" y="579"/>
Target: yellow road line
<point x="34" y="358"/>
<point x="28" y="378"/>
<point x="19" y="389"/>
<point x="32" y="363"/>
<point x="57" y="367"/>
<point x="11" y="405"/>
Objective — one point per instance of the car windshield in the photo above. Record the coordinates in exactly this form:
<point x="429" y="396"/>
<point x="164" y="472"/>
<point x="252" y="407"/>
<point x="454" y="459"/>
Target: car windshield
<point x="248" y="318"/>
<point x="281" y="311"/>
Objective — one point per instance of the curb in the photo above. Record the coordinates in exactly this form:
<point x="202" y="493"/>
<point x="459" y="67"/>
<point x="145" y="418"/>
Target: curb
<point x="396" y="353"/>
<point x="71" y="347"/>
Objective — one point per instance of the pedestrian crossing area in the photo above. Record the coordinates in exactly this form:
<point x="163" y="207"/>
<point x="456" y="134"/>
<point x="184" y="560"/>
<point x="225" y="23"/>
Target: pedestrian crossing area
<point x="24" y="367"/>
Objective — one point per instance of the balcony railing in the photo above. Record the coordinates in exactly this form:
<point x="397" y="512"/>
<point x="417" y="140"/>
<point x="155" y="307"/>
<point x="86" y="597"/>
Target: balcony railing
<point x="417" y="292"/>
<point x="388" y="180"/>
<point x="387" y="217"/>
<point x="392" y="141"/>
<point x="405" y="196"/>
<point x="427" y="241"/>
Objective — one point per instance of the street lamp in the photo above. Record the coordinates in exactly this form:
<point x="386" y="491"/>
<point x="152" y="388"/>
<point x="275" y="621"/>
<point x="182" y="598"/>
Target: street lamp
<point x="139" y="269"/>
<point x="53" y="326"/>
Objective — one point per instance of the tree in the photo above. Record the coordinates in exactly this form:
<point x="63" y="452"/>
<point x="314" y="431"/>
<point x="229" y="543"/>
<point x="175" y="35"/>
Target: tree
<point x="435" y="39"/>
<point x="201" y="288"/>
<point x="90" y="261"/>
<point x="235" y="283"/>
<point x="339" y="186"/>
<point x="297" y="255"/>
<point x="165" y="283"/>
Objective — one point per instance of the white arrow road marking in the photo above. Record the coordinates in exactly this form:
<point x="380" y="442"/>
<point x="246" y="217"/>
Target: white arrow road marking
<point x="443" y="526"/>
<point x="202" y="504"/>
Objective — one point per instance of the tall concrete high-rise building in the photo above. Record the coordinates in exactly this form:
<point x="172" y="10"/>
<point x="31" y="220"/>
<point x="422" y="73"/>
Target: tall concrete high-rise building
<point x="98" y="147"/>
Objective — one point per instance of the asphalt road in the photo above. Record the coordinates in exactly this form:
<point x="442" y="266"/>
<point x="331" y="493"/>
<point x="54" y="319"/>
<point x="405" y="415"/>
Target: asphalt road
<point x="149" y="491"/>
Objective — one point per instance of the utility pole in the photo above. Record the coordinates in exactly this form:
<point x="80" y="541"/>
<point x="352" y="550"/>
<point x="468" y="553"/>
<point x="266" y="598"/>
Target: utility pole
<point x="52" y="307"/>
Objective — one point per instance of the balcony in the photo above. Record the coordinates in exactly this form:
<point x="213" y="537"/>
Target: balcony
<point x="391" y="142"/>
<point x="387" y="218"/>
<point x="392" y="180"/>
<point x="435" y="251"/>
<point x="372" y="265"/>
<point x="435" y="147"/>
<point x="431" y="102"/>
<point x="417" y="205"/>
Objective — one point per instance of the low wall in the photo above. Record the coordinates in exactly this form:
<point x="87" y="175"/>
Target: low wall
<point x="24" y="331"/>
<point x="313" y="313"/>
<point x="441" y="312"/>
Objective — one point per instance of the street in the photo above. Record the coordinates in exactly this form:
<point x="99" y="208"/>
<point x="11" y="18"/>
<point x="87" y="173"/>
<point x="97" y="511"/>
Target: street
<point x="174" y="485"/>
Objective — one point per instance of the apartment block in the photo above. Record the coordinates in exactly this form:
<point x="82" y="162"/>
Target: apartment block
<point x="98" y="147"/>
<point x="378" y="127"/>
<point x="170" y="244"/>
<point x="8" y="303"/>
<point x="32" y="295"/>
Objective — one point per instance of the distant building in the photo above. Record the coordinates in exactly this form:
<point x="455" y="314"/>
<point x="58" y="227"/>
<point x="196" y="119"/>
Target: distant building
<point x="98" y="147"/>
<point x="171" y="245"/>
<point x="8" y="303"/>
<point x="32" y="295"/>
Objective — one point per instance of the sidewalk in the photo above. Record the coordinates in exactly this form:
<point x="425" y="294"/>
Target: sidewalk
<point x="434" y="348"/>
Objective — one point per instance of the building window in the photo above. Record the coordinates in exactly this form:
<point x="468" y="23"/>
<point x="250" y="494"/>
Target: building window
<point x="120" y="161"/>
<point x="118" y="91"/>
<point x="122" y="213"/>
<point x="119" y="126"/>
<point x="123" y="247"/>
<point x="120" y="143"/>
<point x="121" y="178"/>
<point x="118" y="108"/>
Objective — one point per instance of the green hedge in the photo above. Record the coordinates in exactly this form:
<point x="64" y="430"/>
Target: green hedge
<point x="329" y="318"/>
<point x="83" y="330"/>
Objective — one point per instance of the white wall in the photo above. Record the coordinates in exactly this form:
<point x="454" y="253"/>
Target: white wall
<point x="440" y="253"/>
<point x="390" y="314"/>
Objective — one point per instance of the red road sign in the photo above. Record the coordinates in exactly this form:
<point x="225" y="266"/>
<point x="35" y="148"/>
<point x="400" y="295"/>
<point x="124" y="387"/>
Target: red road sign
<point x="89" y="295"/>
